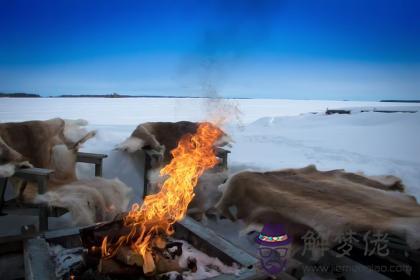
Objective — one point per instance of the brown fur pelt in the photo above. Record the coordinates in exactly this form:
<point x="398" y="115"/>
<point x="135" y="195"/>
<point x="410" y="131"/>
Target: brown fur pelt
<point x="32" y="142"/>
<point x="162" y="138"/>
<point x="51" y="144"/>
<point x="328" y="202"/>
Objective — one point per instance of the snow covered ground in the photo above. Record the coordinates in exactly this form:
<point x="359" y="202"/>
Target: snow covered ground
<point x="132" y="111"/>
<point x="268" y="134"/>
<point x="374" y="143"/>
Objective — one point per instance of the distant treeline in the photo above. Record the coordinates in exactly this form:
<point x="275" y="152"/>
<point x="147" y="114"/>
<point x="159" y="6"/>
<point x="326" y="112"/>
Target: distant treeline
<point x="114" y="95"/>
<point x="19" y="94"/>
<point x="402" y="101"/>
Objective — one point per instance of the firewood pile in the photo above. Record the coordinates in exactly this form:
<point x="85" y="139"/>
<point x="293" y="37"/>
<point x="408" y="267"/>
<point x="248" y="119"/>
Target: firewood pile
<point x="168" y="259"/>
<point x="162" y="259"/>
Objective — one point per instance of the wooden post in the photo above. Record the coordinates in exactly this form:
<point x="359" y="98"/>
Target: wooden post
<point x="98" y="170"/>
<point x="96" y="159"/>
<point x="147" y="167"/>
<point x="40" y="176"/>
<point x="43" y="209"/>
<point x="224" y="160"/>
<point x="3" y="185"/>
<point x="223" y="154"/>
<point x="37" y="262"/>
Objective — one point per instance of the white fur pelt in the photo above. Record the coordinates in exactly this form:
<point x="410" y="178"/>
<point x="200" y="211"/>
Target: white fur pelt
<point x="74" y="130"/>
<point x="206" y="193"/>
<point x="90" y="201"/>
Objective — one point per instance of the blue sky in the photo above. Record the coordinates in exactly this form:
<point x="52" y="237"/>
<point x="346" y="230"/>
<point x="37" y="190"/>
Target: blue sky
<point x="325" y="49"/>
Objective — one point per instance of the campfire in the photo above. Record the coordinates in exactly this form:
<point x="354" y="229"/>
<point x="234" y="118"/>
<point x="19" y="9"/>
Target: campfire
<point x="140" y="243"/>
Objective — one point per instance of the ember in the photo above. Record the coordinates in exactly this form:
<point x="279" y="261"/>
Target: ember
<point x="149" y="224"/>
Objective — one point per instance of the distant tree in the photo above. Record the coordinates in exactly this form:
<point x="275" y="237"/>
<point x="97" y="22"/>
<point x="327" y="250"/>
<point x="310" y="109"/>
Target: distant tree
<point x="19" y="94"/>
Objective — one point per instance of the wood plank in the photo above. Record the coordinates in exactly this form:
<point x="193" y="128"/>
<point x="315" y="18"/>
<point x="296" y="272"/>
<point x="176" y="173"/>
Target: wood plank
<point x="222" y="151"/>
<point x="32" y="174"/>
<point x="38" y="265"/>
<point x="61" y="233"/>
<point x="90" y="157"/>
<point x="215" y="240"/>
<point x="16" y="208"/>
<point x="248" y="275"/>
<point x="223" y="246"/>
<point x="11" y="266"/>
<point x="14" y="243"/>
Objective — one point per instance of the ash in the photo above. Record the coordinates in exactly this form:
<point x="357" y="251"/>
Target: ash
<point x="65" y="259"/>
<point x="206" y="266"/>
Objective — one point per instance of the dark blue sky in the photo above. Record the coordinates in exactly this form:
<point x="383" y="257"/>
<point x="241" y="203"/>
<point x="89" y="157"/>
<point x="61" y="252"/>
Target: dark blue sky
<point x="324" y="49"/>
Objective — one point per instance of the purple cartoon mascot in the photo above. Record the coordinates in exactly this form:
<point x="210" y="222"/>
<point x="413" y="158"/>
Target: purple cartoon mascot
<point x="274" y="247"/>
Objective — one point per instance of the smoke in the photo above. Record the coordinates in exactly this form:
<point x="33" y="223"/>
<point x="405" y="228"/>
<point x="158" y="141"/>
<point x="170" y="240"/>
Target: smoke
<point x="234" y="31"/>
<point x="222" y="111"/>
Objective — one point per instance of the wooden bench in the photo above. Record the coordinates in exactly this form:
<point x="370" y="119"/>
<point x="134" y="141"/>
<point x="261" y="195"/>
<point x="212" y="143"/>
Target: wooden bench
<point x="40" y="176"/>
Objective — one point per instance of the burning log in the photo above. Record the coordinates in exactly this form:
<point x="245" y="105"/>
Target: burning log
<point x="128" y="256"/>
<point x="113" y="268"/>
<point x="94" y="251"/>
<point x="94" y="235"/>
<point x="175" y="260"/>
<point x="149" y="267"/>
<point x="159" y="242"/>
<point x="129" y="263"/>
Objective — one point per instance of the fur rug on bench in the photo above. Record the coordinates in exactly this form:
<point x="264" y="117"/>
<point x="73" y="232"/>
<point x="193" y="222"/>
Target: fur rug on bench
<point x="328" y="203"/>
<point x="90" y="201"/>
<point x="54" y="144"/>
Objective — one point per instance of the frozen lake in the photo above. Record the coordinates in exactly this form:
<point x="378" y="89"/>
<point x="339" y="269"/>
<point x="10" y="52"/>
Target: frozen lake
<point x="132" y="111"/>
<point x="268" y="134"/>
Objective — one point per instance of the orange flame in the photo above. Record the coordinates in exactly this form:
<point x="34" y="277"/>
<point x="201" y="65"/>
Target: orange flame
<point x="193" y="155"/>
